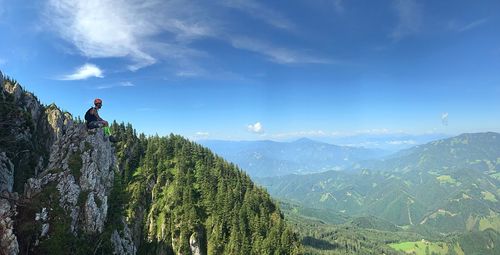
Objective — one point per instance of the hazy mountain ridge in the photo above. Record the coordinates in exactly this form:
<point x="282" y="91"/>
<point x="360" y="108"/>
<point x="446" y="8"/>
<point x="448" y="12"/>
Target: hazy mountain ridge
<point x="270" y="158"/>
<point x="470" y="150"/>
<point x="446" y="185"/>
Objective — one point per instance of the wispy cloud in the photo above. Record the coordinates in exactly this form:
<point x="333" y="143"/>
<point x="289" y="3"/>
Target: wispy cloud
<point x="277" y="54"/>
<point x="100" y="29"/>
<point x="115" y="85"/>
<point x="409" y="15"/>
<point x="111" y="28"/>
<point x="256" y="128"/>
<point x="187" y="73"/>
<point x="146" y="109"/>
<point x="3" y="61"/>
<point x="465" y="27"/>
<point x="335" y="134"/>
<point x="2" y="9"/>
<point x="127" y="84"/>
<point x="401" y="142"/>
<point x="158" y="31"/>
<point x="444" y="118"/>
<point x="310" y="133"/>
<point x="84" y="72"/>
<point x="338" y="5"/>
<point x="201" y="135"/>
<point x="261" y="12"/>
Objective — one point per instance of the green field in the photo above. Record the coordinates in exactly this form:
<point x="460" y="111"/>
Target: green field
<point x="421" y="247"/>
<point x="489" y="196"/>
<point x="443" y="179"/>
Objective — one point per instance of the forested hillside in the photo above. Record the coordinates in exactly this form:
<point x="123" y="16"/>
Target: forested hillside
<point x="69" y="190"/>
<point x="182" y="194"/>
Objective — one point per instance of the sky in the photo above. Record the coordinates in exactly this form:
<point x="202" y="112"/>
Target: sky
<point x="253" y="70"/>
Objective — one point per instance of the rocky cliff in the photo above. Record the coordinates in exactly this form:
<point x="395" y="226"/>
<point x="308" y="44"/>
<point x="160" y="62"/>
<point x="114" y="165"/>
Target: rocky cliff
<point x="55" y="177"/>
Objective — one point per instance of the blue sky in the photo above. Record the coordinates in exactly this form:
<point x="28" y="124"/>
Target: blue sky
<point x="251" y="70"/>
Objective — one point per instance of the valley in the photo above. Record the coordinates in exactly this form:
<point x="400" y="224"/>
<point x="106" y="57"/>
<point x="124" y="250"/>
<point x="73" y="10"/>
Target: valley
<point x="445" y="192"/>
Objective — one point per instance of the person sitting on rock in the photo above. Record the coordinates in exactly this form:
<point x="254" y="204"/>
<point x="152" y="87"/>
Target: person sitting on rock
<point x="93" y="119"/>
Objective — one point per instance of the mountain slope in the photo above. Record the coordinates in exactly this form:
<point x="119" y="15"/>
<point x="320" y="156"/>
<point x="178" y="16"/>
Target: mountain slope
<point x="269" y="158"/>
<point x="479" y="151"/>
<point x="413" y="188"/>
<point x="145" y="195"/>
<point x="184" y="194"/>
<point x="58" y="180"/>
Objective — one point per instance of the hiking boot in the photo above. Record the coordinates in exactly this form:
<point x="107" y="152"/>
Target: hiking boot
<point x="113" y="139"/>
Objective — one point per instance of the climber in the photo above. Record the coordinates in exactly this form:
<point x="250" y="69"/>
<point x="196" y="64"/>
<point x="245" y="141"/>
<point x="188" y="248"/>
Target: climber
<point x="94" y="120"/>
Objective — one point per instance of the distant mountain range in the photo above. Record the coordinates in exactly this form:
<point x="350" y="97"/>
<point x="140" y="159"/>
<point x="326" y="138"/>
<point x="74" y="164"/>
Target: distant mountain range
<point x="478" y="151"/>
<point x="269" y="158"/>
<point x="441" y="187"/>
<point x="391" y="142"/>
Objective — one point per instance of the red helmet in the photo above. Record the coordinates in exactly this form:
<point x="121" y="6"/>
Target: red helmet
<point x="97" y="101"/>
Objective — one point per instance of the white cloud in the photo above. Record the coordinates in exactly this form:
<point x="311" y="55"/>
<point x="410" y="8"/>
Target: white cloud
<point x="146" y="109"/>
<point x="2" y="8"/>
<point x="187" y="73"/>
<point x="444" y="118"/>
<point x="276" y="54"/>
<point x="261" y="12"/>
<point x="363" y="144"/>
<point x="3" y="61"/>
<point x="310" y="133"/>
<point x="84" y="72"/>
<point x="338" y="5"/>
<point x="322" y="133"/>
<point x="409" y="18"/>
<point x="121" y="84"/>
<point x="255" y="128"/>
<point x="201" y="134"/>
<point x="402" y="142"/>
<point x="116" y="28"/>
<point x="462" y="28"/>
<point x="103" y="28"/>
<point x="148" y="32"/>
<point x="127" y="84"/>
<point x="374" y="131"/>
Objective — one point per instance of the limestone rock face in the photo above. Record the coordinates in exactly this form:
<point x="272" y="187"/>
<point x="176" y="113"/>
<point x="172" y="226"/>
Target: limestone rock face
<point x="122" y="241"/>
<point x="8" y="240"/>
<point x="15" y="90"/>
<point x="78" y="169"/>
<point x="6" y="173"/>
<point x="82" y="165"/>
<point x="194" y="244"/>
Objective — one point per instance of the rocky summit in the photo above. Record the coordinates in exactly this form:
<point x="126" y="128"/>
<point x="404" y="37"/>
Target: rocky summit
<point x="69" y="181"/>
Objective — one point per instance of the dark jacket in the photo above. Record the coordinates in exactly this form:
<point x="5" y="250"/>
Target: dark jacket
<point x="92" y="115"/>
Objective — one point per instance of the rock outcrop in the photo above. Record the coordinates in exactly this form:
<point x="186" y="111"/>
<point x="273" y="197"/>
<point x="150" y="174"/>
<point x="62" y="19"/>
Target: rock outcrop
<point x="8" y="240"/>
<point x="6" y="173"/>
<point x="122" y="241"/>
<point x="194" y="244"/>
<point x="74" y="165"/>
<point x="82" y="167"/>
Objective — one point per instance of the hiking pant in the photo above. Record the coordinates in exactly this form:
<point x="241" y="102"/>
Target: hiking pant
<point x="96" y="124"/>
